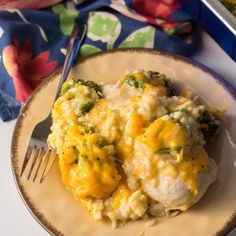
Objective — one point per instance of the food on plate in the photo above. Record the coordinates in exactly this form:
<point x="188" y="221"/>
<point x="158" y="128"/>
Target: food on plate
<point x="135" y="148"/>
<point x="230" y="5"/>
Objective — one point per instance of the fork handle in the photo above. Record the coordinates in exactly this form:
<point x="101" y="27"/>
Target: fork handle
<point x="76" y="39"/>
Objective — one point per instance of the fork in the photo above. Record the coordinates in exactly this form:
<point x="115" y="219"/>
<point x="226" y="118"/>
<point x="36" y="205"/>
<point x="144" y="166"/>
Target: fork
<point x="38" y="153"/>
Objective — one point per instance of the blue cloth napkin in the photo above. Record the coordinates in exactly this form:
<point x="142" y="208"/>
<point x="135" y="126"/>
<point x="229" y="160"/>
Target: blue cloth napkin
<point x="33" y="42"/>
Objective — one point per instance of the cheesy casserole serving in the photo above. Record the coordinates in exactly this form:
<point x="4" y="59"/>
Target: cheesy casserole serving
<point x="135" y="148"/>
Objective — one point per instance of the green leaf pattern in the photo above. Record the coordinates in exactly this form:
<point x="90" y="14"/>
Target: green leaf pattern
<point x="102" y="26"/>
<point x="67" y="16"/>
<point x="140" y="38"/>
<point x="87" y="49"/>
<point x="105" y="27"/>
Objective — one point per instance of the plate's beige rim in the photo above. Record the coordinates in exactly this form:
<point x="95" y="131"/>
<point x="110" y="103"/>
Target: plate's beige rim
<point x="229" y="224"/>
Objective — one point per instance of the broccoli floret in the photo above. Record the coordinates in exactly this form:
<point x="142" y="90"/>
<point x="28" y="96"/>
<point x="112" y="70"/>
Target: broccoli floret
<point x="64" y="90"/>
<point x="77" y="153"/>
<point x="170" y="89"/>
<point x="86" y="107"/>
<point x="210" y="125"/>
<point x="66" y="86"/>
<point x="101" y="142"/>
<point x="89" y="129"/>
<point x="160" y="79"/>
<point x="171" y="150"/>
<point x="154" y="74"/>
<point x="91" y="85"/>
<point x="131" y="81"/>
<point x="231" y="6"/>
<point x="163" y="150"/>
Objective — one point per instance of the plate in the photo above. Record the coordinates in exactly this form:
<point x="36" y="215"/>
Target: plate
<point x="55" y="208"/>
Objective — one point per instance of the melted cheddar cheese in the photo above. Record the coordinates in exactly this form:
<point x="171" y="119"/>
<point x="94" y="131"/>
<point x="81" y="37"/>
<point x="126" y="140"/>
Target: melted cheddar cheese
<point x="93" y="173"/>
<point x="165" y="134"/>
<point x="121" y="192"/>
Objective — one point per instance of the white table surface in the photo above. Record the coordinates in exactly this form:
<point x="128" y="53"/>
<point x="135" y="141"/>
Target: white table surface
<point x="14" y="217"/>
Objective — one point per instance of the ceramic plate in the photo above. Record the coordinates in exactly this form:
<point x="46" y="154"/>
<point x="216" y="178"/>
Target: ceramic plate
<point x="54" y="207"/>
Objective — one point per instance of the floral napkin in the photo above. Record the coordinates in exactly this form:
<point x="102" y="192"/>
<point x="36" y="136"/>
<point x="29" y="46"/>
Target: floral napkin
<point x="33" y="42"/>
<point x="20" y="4"/>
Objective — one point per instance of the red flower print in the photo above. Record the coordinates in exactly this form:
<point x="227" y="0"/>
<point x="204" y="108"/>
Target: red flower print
<point x="157" y="12"/>
<point x="34" y="4"/>
<point x="26" y="72"/>
<point x="156" y="8"/>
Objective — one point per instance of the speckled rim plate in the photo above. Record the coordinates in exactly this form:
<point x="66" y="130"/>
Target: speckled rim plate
<point x="55" y="208"/>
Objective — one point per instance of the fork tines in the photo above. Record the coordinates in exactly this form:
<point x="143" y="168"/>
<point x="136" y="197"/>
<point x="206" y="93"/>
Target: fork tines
<point x="41" y="161"/>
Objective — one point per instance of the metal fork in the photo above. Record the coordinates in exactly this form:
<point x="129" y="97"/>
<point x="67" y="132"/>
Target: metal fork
<point x="38" y="153"/>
